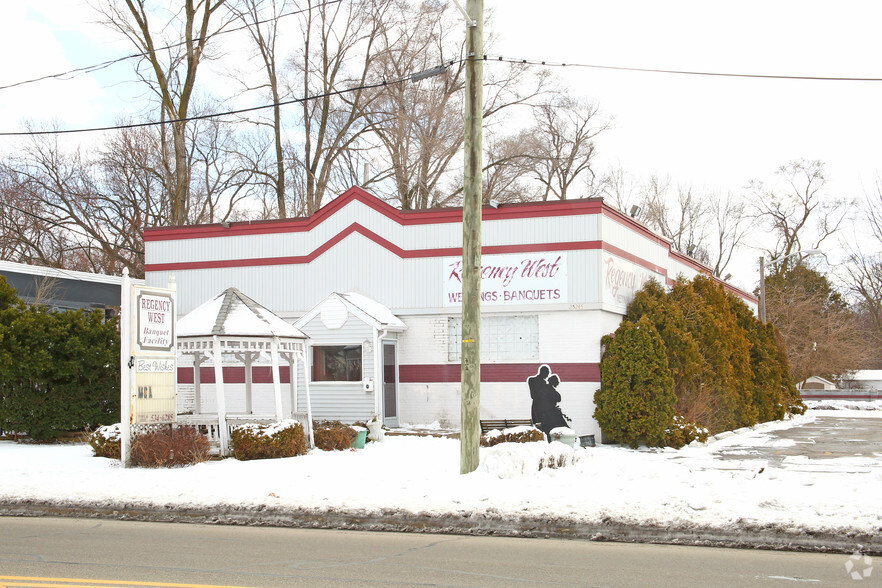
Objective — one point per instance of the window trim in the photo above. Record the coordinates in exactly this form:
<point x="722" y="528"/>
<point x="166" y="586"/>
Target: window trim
<point x="343" y="347"/>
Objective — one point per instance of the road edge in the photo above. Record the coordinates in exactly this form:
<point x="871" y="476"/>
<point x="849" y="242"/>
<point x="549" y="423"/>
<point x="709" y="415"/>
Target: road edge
<point x="746" y="536"/>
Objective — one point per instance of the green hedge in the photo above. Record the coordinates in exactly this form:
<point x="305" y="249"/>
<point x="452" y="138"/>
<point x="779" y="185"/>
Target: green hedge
<point x="635" y="402"/>
<point x="59" y="371"/>
<point x="727" y="369"/>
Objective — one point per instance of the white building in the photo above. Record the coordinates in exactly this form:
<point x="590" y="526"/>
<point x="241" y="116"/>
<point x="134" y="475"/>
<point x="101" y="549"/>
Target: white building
<point x="378" y="290"/>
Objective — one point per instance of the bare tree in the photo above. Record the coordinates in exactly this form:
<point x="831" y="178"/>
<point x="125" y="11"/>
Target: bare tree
<point x="560" y="147"/>
<point x="332" y="69"/>
<point x="173" y="51"/>
<point x="799" y="215"/>
<point x="821" y="334"/>
<point x="730" y="227"/>
<point x="26" y="236"/>
<point x="262" y="20"/>
<point x="682" y="218"/>
<point x="618" y="188"/>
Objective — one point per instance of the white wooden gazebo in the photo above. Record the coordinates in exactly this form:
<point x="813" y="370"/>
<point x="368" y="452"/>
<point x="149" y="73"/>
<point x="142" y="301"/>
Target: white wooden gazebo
<point x="234" y="328"/>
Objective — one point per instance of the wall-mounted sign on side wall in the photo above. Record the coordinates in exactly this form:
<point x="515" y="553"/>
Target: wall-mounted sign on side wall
<point x="622" y="279"/>
<point x="519" y="278"/>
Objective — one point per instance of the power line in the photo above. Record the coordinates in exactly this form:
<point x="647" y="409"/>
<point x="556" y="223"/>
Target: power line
<point x="66" y="75"/>
<point x="380" y="84"/>
<point x="489" y="58"/>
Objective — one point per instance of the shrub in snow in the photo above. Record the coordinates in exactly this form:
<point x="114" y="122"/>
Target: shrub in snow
<point x="333" y="435"/>
<point x="509" y="460"/>
<point x="105" y="441"/>
<point x="683" y="432"/>
<point x="59" y="371"/>
<point x="635" y="402"/>
<point x="282" y="439"/>
<point x="169" y="446"/>
<point x="512" y="435"/>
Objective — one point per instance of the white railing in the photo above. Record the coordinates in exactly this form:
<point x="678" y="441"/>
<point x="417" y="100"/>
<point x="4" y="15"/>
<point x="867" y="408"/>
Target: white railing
<point x="209" y="426"/>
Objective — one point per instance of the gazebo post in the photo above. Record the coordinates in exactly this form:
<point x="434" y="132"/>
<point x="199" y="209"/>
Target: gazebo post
<point x="277" y="380"/>
<point x="197" y="383"/>
<point x="302" y="355"/>
<point x="249" y="381"/>
<point x="292" y="381"/>
<point x="221" y="400"/>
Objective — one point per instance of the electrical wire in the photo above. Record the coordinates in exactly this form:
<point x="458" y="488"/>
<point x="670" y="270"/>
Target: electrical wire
<point x="70" y="74"/>
<point x="371" y="86"/>
<point x="489" y="58"/>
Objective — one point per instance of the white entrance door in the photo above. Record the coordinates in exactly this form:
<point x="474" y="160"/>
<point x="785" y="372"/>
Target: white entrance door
<point x="390" y="384"/>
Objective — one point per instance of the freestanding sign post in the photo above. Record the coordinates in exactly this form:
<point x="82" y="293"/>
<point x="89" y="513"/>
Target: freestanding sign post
<point x="148" y="358"/>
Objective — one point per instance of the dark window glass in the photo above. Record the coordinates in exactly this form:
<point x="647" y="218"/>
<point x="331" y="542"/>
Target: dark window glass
<point x="336" y="363"/>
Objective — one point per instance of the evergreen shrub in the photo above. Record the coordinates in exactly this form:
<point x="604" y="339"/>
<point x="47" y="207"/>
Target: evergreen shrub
<point x="282" y="439"/>
<point x="729" y="369"/>
<point x="635" y="402"/>
<point x="170" y="446"/>
<point x="333" y="435"/>
<point x="512" y="435"/>
<point x="59" y="371"/>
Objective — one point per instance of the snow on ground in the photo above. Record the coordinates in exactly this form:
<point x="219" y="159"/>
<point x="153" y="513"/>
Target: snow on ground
<point x="693" y="486"/>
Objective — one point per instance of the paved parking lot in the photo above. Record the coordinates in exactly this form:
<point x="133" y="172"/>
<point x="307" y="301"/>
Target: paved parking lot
<point x="827" y="437"/>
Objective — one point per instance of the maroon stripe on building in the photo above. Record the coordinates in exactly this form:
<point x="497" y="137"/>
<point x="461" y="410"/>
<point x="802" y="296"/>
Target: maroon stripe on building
<point x="260" y="374"/>
<point x="497" y="372"/>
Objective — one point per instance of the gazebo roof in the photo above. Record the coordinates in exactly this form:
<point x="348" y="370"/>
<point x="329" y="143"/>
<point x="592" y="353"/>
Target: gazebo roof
<point x="232" y="313"/>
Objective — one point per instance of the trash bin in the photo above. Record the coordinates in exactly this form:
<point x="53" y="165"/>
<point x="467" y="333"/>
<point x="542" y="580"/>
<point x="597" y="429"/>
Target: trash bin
<point x="360" y="438"/>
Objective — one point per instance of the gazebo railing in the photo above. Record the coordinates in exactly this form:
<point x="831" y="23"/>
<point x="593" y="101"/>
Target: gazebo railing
<point x="208" y="424"/>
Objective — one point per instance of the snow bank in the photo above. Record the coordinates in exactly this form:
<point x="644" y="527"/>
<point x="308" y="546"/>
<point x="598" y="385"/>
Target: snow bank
<point x="722" y="484"/>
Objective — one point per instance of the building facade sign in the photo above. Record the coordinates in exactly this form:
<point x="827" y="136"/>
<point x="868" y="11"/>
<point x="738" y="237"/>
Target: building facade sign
<point x="512" y="279"/>
<point x="622" y="279"/>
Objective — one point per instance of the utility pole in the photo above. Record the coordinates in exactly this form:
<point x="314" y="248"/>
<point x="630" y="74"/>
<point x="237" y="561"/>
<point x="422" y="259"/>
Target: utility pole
<point x="471" y="239"/>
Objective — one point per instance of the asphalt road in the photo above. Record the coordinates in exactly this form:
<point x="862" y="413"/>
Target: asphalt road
<point x="49" y="552"/>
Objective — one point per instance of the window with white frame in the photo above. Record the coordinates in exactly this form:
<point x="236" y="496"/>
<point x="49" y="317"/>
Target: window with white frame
<point x="503" y="338"/>
<point x="336" y="363"/>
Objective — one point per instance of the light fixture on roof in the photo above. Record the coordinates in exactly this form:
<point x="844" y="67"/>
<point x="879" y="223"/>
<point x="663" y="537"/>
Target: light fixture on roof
<point x="494" y="203"/>
<point x="225" y="224"/>
<point x="690" y="251"/>
<point x="635" y="210"/>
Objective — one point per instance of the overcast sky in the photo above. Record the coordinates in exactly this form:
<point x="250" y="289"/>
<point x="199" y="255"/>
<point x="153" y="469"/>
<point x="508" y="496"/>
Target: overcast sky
<point x="716" y="133"/>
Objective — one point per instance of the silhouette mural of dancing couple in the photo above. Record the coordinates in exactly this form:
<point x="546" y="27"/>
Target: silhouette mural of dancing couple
<point x="546" y="414"/>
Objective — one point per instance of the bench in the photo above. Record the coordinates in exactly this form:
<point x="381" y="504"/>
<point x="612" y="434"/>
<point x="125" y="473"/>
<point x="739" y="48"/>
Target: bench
<point x="490" y="424"/>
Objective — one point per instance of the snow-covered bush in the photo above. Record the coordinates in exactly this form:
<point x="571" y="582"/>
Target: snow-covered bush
<point x="105" y="441"/>
<point x="170" y="446"/>
<point x="509" y="460"/>
<point x="333" y="435"/>
<point x="683" y="432"/>
<point x="512" y="435"/>
<point x="281" y="439"/>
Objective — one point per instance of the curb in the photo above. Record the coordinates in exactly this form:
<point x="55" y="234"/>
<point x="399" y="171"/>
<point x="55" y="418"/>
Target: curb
<point x="745" y="537"/>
